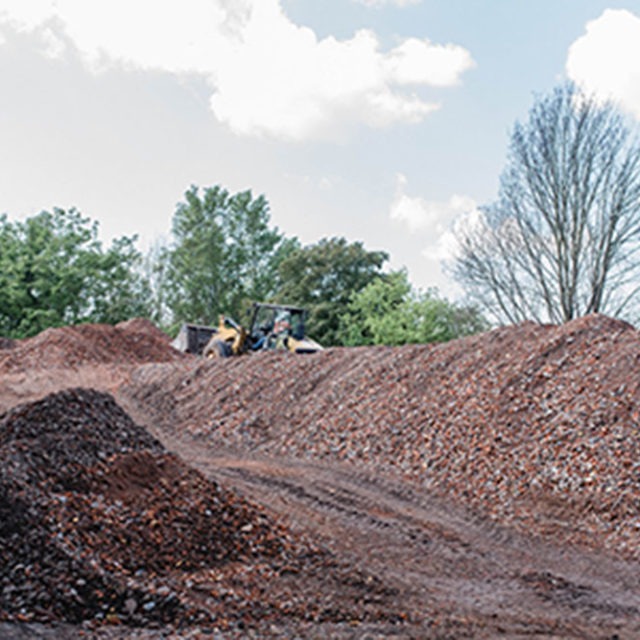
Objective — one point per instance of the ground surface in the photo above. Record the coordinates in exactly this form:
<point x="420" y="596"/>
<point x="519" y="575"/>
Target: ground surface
<point x="487" y="488"/>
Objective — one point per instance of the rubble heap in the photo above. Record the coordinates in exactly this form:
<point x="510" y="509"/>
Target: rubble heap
<point x="99" y="523"/>
<point x="132" y="342"/>
<point x="535" y="425"/>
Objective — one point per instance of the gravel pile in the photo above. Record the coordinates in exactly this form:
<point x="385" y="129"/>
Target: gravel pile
<point x="537" y="426"/>
<point x="100" y="525"/>
<point x="132" y="342"/>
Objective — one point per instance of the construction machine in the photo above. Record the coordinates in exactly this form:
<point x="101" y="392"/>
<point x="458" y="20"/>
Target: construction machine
<point x="271" y="326"/>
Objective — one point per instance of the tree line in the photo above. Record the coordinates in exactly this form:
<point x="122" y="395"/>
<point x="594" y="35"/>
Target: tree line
<point x="224" y="253"/>
<point x="561" y="240"/>
<point x="54" y="271"/>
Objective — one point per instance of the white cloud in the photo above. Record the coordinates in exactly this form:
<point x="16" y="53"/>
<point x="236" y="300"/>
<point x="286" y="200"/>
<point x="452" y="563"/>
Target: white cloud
<point x="606" y="59"/>
<point x="381" y="3"/>
<point x="268" y="76"/>
<point x="421" y="62"/>
<point x="54" y="46"/>
<point x="419" y="214"/>
<point x="138" y="33"/>
<point x="436" y="221"/>
<point x="435" y="224"/>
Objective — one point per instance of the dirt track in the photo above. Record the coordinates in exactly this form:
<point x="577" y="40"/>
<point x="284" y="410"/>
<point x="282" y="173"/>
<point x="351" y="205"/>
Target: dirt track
<point x="427" y="566"/>
<point x="452" y="573"/>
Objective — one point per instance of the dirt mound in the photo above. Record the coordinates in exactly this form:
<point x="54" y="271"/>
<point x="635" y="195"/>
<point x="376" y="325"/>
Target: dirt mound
<point x="67" y="421"/>
<point x="47" y="451"/>
<point x="535" y="425"/>
<point x="133" y="342"/>
<point x="145" y="327"/>
<point x="88" y="500"/>
<point x="99" y="523"/>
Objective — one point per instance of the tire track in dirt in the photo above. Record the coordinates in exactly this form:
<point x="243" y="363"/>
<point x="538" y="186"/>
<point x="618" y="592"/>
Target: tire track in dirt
<point x="444" y="562"/>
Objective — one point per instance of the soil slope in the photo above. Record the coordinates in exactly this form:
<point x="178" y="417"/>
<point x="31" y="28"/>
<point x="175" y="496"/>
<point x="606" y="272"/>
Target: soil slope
<point x="536" y="426"/>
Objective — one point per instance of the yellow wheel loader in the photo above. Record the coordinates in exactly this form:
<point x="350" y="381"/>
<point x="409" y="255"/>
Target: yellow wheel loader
<point x="271" y="326"/>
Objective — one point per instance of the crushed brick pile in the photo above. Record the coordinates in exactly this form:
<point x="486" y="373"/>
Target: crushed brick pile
<point x="99" y="524"/>
<point x="132" y="342"/>
<point x="537" y="426"/>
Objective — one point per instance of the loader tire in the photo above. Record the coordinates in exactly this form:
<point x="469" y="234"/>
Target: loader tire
<point x="218" y="349"/>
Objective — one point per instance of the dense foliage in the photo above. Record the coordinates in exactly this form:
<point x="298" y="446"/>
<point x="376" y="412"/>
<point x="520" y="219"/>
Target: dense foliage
<point x="322" y="277"/>
<point x="54" y="272"/>
<point x="224" y="254"/>
<point x="389" y="311"/>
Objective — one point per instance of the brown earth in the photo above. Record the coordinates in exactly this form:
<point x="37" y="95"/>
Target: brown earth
<point x="489" y="487"/>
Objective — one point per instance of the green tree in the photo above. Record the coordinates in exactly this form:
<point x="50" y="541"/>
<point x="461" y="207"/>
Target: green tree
<point x="389" y="311"/>
<point x="54" y="271"/>
<point x="155" y="270"/>
<point x="115" y="288"/>
<point x="224" y="254"/>
<point x="322" y="278"/>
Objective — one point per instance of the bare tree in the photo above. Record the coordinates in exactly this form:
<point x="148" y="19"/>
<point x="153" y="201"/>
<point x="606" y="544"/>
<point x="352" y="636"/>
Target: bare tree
<point x="562" y="240"/>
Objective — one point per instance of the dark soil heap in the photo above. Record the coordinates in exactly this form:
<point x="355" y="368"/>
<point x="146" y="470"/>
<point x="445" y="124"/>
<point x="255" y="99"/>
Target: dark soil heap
<point x="536" y="425"/>
<point x="98" y="523"/>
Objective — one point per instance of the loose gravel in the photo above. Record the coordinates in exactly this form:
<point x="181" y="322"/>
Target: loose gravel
<point x="537" y="426"/>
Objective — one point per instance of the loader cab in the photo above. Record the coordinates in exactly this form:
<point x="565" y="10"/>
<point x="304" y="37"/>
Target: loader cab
<point x="272" y="323"/>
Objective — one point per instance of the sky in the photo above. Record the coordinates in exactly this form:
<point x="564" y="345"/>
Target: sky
<point x="382" y="121"/>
